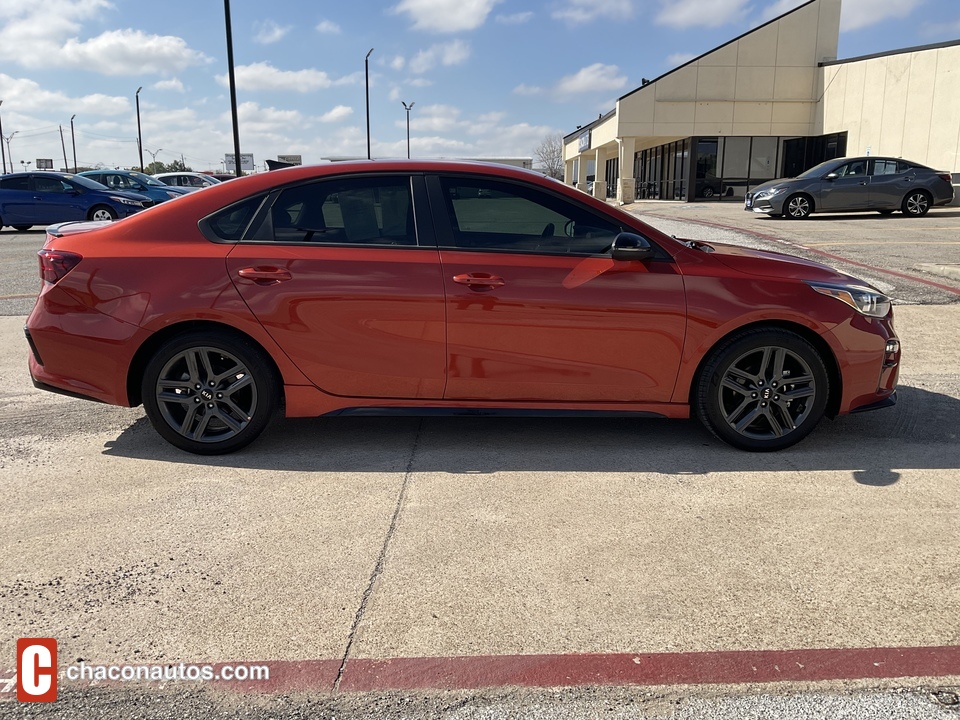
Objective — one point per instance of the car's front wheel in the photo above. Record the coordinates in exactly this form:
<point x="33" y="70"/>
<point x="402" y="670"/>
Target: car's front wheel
<point x="916" y="204"/>
<point x="797" y="207"/>
<point x="210" y="392"/>
<point x="765" y="389"/>
<point x="101" y="212"/>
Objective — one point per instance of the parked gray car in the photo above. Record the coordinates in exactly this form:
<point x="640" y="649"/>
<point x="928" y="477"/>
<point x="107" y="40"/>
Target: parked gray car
<point x="852" y="185"/>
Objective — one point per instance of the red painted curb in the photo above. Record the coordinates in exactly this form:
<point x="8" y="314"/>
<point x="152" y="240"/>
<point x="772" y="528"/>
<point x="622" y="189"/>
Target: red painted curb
<point x="815" y="251"/>
<point x="727" y="667"/>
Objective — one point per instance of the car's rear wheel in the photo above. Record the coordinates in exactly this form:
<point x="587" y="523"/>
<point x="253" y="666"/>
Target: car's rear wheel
<point x="101" y="212"/>
<point x="916" y="204"/>
<point x="22" y="228"/>
<point x="798" y="207"/>
<point x="708" y="192"/>
<point x="763" y="390"/>
<point x="210" y="392"/>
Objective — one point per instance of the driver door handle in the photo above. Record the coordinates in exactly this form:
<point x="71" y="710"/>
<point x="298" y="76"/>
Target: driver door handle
<point x="479" y="281"/>
<point x="265" y="275"/>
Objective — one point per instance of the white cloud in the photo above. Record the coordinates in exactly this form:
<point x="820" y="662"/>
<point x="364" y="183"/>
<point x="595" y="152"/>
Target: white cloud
<point x="593" y="78"/>
<point x="856" y="14"/>
<point x="582" y="11"/>
<point x="446" y="15"/>
<point x="256" y="119"/>
<point x="171" y="84"/>
<point x="130" y="52"/>
<point x="523" y="89"/>
<point x="269" y="32"/>
<point x="397" y="63"/>
<point x="264" y="76"/>
<point x="678" y="59"/>
<point x="31" y="33"/>
<point x="515" y="19"/>
<point x="451" y="53"/>
<point x="27" y="96"/>
<point x="328" y="27"/>
<point x="419" y="82"/>
<point x="435" y="118"/>
<point x="700" y="13"/>
<point x="340" y="112"/>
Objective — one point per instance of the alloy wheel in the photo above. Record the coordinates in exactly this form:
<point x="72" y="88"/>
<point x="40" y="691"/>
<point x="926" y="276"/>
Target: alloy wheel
<point x="206" y="394"/>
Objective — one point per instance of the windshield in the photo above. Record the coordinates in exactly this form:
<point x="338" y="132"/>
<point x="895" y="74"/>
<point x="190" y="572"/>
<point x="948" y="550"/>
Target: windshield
<point x="146" y="179"/>
<point x="817" y="170"/>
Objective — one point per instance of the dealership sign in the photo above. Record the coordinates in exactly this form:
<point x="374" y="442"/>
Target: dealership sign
<point x="584" y="142"/>
<point x="246" y="162"/>
<point x="44" y="164"/>
<point x="291" y="159"/>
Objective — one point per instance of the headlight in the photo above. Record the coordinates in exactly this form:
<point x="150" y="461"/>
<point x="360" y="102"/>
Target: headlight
<point x="127" y="201"/>
<point x="769" y="193"/>
<point x="862" y="299"/>
<point x="173" y="195"/>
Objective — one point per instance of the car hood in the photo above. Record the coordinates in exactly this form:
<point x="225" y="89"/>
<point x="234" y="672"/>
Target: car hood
<point x="764" y="263"/>
<point x="774" y="183"/>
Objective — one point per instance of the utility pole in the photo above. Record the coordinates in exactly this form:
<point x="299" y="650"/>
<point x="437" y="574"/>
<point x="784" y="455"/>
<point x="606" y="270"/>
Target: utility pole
<point x="64" y="146"/>
<point x="233" y="90"/>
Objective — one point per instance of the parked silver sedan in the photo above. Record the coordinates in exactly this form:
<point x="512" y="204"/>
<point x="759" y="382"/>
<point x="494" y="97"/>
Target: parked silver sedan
<point x="852" y="185"/>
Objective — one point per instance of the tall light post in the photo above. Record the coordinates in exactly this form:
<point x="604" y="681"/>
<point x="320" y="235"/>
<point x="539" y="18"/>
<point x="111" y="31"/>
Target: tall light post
<point x="408" y="108"/>
<point x="366" y="73"/>
<point x="153" y="155"/>
<point x="8" y="138"/>
<point x="25" y="164"/>
<point x="3" y="152"/>
<point x="73" y="141"/>
<point x="233" y="91"/>
<point x="139" y="134"/>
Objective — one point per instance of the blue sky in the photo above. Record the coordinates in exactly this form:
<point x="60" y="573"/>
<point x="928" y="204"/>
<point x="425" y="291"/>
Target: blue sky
<point x="489" y="78"/>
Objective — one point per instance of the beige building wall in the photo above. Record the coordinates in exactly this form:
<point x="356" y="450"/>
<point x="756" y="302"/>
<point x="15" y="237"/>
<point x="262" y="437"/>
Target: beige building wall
<point x="767" y="82"/>
<point x="904" y="105"/>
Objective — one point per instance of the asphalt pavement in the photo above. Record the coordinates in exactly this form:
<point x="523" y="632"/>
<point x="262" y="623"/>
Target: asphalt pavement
<point x="492" y="567"/>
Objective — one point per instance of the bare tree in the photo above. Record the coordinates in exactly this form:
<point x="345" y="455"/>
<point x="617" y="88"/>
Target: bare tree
<point x="549" y="156"/>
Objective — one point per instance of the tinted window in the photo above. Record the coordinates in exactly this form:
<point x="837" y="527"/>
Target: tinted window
<point x="494" y="215"/>
<point x="230" y="223"/>
<point x="96" y="178"/>
<point x="15" y="183"/>
<point x="886" y="167"/>
<point x="857" y="167"/>
<point x="50" y="185"/>
<point x="370" y="211"/>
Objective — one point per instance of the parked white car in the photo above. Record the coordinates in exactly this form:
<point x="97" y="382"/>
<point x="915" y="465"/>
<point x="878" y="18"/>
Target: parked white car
<point x="188" y="180"/>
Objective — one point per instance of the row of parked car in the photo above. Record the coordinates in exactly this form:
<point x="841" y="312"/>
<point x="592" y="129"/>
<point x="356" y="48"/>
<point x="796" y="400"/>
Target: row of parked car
<point x="41" y="198"/>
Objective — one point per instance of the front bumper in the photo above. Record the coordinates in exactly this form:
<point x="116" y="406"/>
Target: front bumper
<point x="769" y="205"/>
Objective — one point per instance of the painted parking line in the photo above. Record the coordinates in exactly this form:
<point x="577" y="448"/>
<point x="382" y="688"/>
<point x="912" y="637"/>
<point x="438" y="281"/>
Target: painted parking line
<point x="18" y="297"/>
<point x="816" y="251"/>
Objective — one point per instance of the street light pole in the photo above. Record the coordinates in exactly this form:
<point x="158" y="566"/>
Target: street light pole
<point x="233" y="91"/>
<point x="73" y="141"/>
<point x="2" y="151"/>
<point x="153" y="154"/>
<point x="408" y="108"/>
<point x="139" y="134"/>
<point x="63" y="146"/>
<point x="8" y="138"/>
<point x="366" y="73"/>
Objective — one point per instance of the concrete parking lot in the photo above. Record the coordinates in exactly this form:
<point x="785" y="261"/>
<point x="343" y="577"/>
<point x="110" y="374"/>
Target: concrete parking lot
<point x="390" y="567"/>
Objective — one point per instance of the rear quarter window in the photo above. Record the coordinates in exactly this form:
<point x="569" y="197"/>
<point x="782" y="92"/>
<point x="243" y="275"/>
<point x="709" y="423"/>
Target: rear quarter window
<point x="229" y="224"/>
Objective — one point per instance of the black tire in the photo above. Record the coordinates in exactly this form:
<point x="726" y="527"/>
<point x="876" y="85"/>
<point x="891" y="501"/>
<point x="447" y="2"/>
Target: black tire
<point x="916" y="203"/>
<point x="102" y="212"/>
<point x="885" y="212"/>
<point x="798" y="207"/>
<point x="210" y="393"/>
<point x="740" y="395"/>
<point x="22" y="228"/>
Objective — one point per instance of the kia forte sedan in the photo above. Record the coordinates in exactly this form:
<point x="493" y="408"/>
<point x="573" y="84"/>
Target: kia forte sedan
<point x="40" y="198"/>
<point x="399" y="287"/>
<point x="884" y="185"/>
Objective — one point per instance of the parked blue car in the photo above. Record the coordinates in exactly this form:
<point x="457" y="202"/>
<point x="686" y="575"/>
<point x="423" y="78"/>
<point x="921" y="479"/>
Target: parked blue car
<point x="41" y="198"/>
<point x="138" y="182"/>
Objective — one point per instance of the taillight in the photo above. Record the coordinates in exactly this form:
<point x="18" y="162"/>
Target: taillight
<point x="946" y="176"/>
<point x="55" y="264"/>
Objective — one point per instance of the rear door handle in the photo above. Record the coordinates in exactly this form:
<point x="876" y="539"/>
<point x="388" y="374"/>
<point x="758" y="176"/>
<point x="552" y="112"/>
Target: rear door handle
<point x="265" y="275"/>
<point x="479" y="281"/>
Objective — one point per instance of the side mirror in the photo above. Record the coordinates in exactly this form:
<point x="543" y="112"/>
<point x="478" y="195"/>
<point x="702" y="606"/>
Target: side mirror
<point x="629" y="246"/>
<point x="831" y="177"/>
